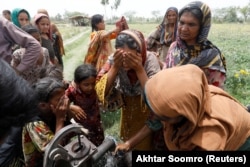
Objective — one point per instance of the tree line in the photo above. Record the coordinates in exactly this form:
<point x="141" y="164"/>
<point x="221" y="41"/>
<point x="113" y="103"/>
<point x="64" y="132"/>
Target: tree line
<point x="230" y="14"/>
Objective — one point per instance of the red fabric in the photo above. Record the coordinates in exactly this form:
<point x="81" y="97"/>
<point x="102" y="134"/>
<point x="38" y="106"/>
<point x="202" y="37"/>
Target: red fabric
<point x="122" y="24"/>
<point x="89" y="103"/>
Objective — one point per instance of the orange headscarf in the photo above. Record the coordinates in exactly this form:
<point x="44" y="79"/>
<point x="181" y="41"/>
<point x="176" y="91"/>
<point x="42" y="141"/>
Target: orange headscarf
<point x="215" y="120"/>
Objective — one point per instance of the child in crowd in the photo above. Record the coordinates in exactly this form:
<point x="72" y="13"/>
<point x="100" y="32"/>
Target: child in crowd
<point x="7" y="14"/>
<point x="82" y="93"/>
<point x="54" y="107"/>
<point x="35" y="72"/>
<point x="42" y="22"/>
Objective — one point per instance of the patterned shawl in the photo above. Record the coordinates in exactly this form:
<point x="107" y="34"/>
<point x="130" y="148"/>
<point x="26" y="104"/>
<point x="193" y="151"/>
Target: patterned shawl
<point x="15" y="13"/>
<point x="204" y="54"/>
<point x="99" y="49"/>
<point x="213" y="119"/>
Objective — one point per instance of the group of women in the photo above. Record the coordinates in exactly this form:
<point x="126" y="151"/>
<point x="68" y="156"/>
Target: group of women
<point x="131" y="72"/>
<point x="51" y="38"/>
<point x="168" y="86"/>
<point x="24" y="135"/>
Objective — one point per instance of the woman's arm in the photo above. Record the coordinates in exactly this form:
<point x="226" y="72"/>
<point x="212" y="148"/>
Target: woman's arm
<point x="110" y="33"/>
<point x="112" y="73"/>
<point x="17" y="36"/>
<point x="60" y="112"/>
<point x="134" y="61"/>
<point x="136" y="139"/>
<point x="152" y="125"/>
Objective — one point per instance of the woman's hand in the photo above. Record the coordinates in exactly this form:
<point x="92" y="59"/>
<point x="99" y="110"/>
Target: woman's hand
<point x="118" y="58"/>
<point x="125" y="147"/>
<point x="77" y="112"/>
<point x="117" y="30"/>
<point x="61" y="109"/>
<point x="132" y="61"/>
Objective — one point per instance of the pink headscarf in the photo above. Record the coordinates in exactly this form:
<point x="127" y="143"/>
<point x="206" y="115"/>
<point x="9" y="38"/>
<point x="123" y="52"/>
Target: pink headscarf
<point x="37" y="17"/>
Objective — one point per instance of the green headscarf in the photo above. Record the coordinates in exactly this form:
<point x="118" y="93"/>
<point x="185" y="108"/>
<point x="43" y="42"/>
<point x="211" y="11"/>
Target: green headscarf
<point x="15" y="13"/>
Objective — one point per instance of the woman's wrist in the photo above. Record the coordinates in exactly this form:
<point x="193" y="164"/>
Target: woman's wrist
<point x="110" y="32"/>
<point x="128" y="145"/>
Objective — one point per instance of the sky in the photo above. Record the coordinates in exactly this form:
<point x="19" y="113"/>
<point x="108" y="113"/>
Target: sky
<point x="90" y="7"/>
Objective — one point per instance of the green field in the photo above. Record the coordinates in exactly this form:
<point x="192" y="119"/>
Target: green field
<point x="232" y="39"/>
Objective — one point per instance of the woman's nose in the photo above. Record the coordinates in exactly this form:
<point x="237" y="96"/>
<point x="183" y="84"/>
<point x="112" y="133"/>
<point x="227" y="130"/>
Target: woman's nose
<point x="184" y="27"/>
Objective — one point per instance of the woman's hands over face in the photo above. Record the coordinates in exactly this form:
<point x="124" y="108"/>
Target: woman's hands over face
<point x="118" y="58"/>
<point x="132" y="60"/>
<point x="62" y="107"/>
<point x="127" y="59"/>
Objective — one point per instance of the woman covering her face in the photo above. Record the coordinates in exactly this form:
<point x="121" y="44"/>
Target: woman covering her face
<point x="197" y="116"/>
<point x="126" y="72"/>
<point x="192" y="45"/>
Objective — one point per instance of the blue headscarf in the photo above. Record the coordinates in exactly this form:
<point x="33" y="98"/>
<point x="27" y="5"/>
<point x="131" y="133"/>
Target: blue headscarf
<point x="15" y="13"/>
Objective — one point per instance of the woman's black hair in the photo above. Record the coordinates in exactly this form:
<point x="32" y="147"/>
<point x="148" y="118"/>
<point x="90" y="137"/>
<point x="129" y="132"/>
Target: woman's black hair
<point x="29" y="28"/>
<point x="95" y="19"/>
<point x="45" y="87"/>
<point x="83" y="72"/>
<point x="7" y="11"/>
<point x="125" y="39"/>
<point x="195" y="11"/>
<point x="18" y="100"/>
<point x="54" y="71"/>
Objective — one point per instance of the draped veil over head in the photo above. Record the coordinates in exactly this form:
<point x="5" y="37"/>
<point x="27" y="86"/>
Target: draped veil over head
<point x="204" y="53"/>
<point x="15" y="13"/>
<point x="214" y="119"/>
<point x="37" y="17"/>
<point x="164" y="38"/>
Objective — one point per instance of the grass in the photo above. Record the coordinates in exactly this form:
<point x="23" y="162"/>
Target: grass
<point x="75" y="53"/>
<point x="231" y="39"/>
<point x="69" y="31"/>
